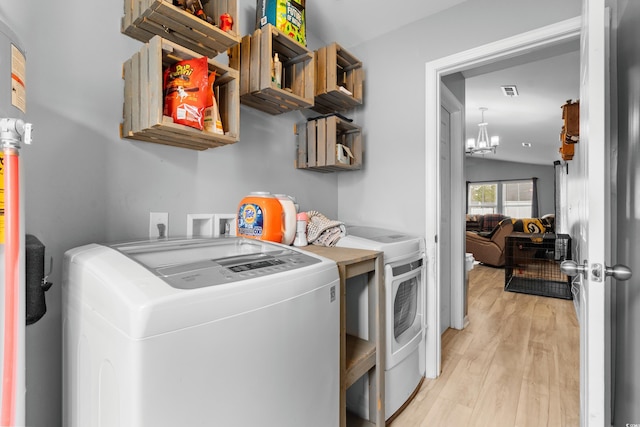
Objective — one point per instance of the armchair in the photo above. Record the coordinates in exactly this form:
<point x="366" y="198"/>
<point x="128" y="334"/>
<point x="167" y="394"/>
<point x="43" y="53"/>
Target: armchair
<point x="483" y="223"/>
<point x="489" y="249"/>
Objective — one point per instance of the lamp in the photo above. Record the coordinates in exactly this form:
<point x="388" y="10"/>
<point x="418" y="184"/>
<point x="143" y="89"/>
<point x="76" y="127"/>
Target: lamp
<point x="483" y="144"/>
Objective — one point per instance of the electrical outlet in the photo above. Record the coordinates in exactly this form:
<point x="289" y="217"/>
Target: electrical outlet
<point x="224" y="225"/>
<point x="158" y="225"/>
<point x="200" y="225"/>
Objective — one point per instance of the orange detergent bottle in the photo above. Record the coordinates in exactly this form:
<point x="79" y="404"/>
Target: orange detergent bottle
<point x="260" y="217"/>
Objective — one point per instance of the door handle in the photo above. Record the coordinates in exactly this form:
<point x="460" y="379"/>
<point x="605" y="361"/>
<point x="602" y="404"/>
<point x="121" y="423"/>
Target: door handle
<point x="618" y="271"/>
<point x="572" y="268"/>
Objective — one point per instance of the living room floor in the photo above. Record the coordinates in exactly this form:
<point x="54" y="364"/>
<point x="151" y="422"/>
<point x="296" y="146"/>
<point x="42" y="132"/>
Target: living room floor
<point x="516" y="364"/>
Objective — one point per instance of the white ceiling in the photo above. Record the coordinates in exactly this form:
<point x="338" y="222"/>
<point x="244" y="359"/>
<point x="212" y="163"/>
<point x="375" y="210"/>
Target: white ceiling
<point x="357" y="21"/>
<point x="545" y="79"/>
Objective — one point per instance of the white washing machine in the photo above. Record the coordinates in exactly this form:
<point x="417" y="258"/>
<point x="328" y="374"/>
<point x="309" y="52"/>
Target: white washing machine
<point x="404" y="280"/>
<point x="193" y="332"/>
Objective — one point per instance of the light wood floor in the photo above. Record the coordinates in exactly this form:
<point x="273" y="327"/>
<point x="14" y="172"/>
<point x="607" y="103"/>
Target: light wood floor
<point x="516" y="364"/>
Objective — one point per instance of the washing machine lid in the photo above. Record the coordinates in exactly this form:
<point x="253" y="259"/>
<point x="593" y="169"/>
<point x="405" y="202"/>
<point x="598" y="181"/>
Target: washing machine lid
<point x="197" y="263"/>
<point x="395" y="245"/>
<point x="149" y="288"/>
<point x="381" y="235"/>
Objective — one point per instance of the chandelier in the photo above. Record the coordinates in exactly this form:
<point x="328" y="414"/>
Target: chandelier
<point x="483" y="144"/>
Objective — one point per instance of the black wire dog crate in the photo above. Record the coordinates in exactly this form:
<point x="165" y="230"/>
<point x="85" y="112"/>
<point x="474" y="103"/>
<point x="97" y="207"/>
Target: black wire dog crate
<point x="532" y="264"/>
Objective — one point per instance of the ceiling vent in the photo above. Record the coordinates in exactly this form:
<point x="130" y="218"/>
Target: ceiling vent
<point x="510" y="90"/>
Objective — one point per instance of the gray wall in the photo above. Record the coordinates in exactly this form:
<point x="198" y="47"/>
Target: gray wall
<point x="84" y="184"/>
<point x="390" y="190"/>
<point x="477" y="169"/>
<point x="627" y="338"/>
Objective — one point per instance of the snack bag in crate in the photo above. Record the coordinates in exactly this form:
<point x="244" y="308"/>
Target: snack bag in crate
<point x="185" y="89"/>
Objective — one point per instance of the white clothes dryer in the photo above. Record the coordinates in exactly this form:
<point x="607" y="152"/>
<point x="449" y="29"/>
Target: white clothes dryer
<point x="194" y="332"/>
<point x="404" y="280"/>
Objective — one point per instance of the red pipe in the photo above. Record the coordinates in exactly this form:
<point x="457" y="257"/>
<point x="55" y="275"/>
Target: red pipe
<point x="11" y="282"/>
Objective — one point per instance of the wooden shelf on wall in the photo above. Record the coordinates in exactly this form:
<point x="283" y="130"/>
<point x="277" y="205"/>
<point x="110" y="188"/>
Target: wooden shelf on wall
<point x="144" y="19"/>
<point x="318" y="141"/>
<point x="143" y="99"/>
<point x="339" y="80"/>
<point x="253" y="58"/>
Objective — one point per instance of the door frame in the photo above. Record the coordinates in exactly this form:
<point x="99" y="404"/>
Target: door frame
<point x="458" y="194"/>
<point x="502" y="49"/>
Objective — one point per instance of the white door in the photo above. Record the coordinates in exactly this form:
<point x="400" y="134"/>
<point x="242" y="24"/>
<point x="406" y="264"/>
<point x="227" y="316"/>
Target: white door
<point x="589" y="212"/>
<point x="444" y="236"/>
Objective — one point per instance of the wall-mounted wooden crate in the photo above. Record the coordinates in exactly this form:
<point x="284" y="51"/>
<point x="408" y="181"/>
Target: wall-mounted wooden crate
<point x="317" y="142"/>
<point x="253" y="59"/>
<point x="145" y="18"/>
<point x="143" y="99"/>
<point x="339" y="80"/>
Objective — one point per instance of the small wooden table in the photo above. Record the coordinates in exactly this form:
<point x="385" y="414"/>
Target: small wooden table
<point x="357" y="356"/>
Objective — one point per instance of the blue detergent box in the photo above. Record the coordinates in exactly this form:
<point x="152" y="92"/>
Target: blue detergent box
<point x="285" y="15"/>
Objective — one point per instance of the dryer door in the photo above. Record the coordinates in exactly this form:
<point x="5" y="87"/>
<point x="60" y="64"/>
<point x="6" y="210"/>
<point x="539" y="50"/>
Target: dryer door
<point x="404" y="285"/>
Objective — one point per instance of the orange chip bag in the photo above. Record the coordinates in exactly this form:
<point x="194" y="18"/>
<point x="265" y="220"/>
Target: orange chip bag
<point x="185" y="91"/>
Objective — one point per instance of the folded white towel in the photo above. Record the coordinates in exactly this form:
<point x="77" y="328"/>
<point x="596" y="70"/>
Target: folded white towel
<point x="330" y="236"/>
<point x="323" y="231"/>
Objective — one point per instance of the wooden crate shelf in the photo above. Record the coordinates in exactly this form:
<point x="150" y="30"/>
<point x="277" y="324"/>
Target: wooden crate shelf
<point x="144" y="19"/>
<point x="318" y="140"/>
<point x="253" y="59"/>
<point x="339" y="80"/>
<point x="143" y="99"/>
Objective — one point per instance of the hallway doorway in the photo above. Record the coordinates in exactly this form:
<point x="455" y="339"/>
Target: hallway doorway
<point x="505" y="50"/>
